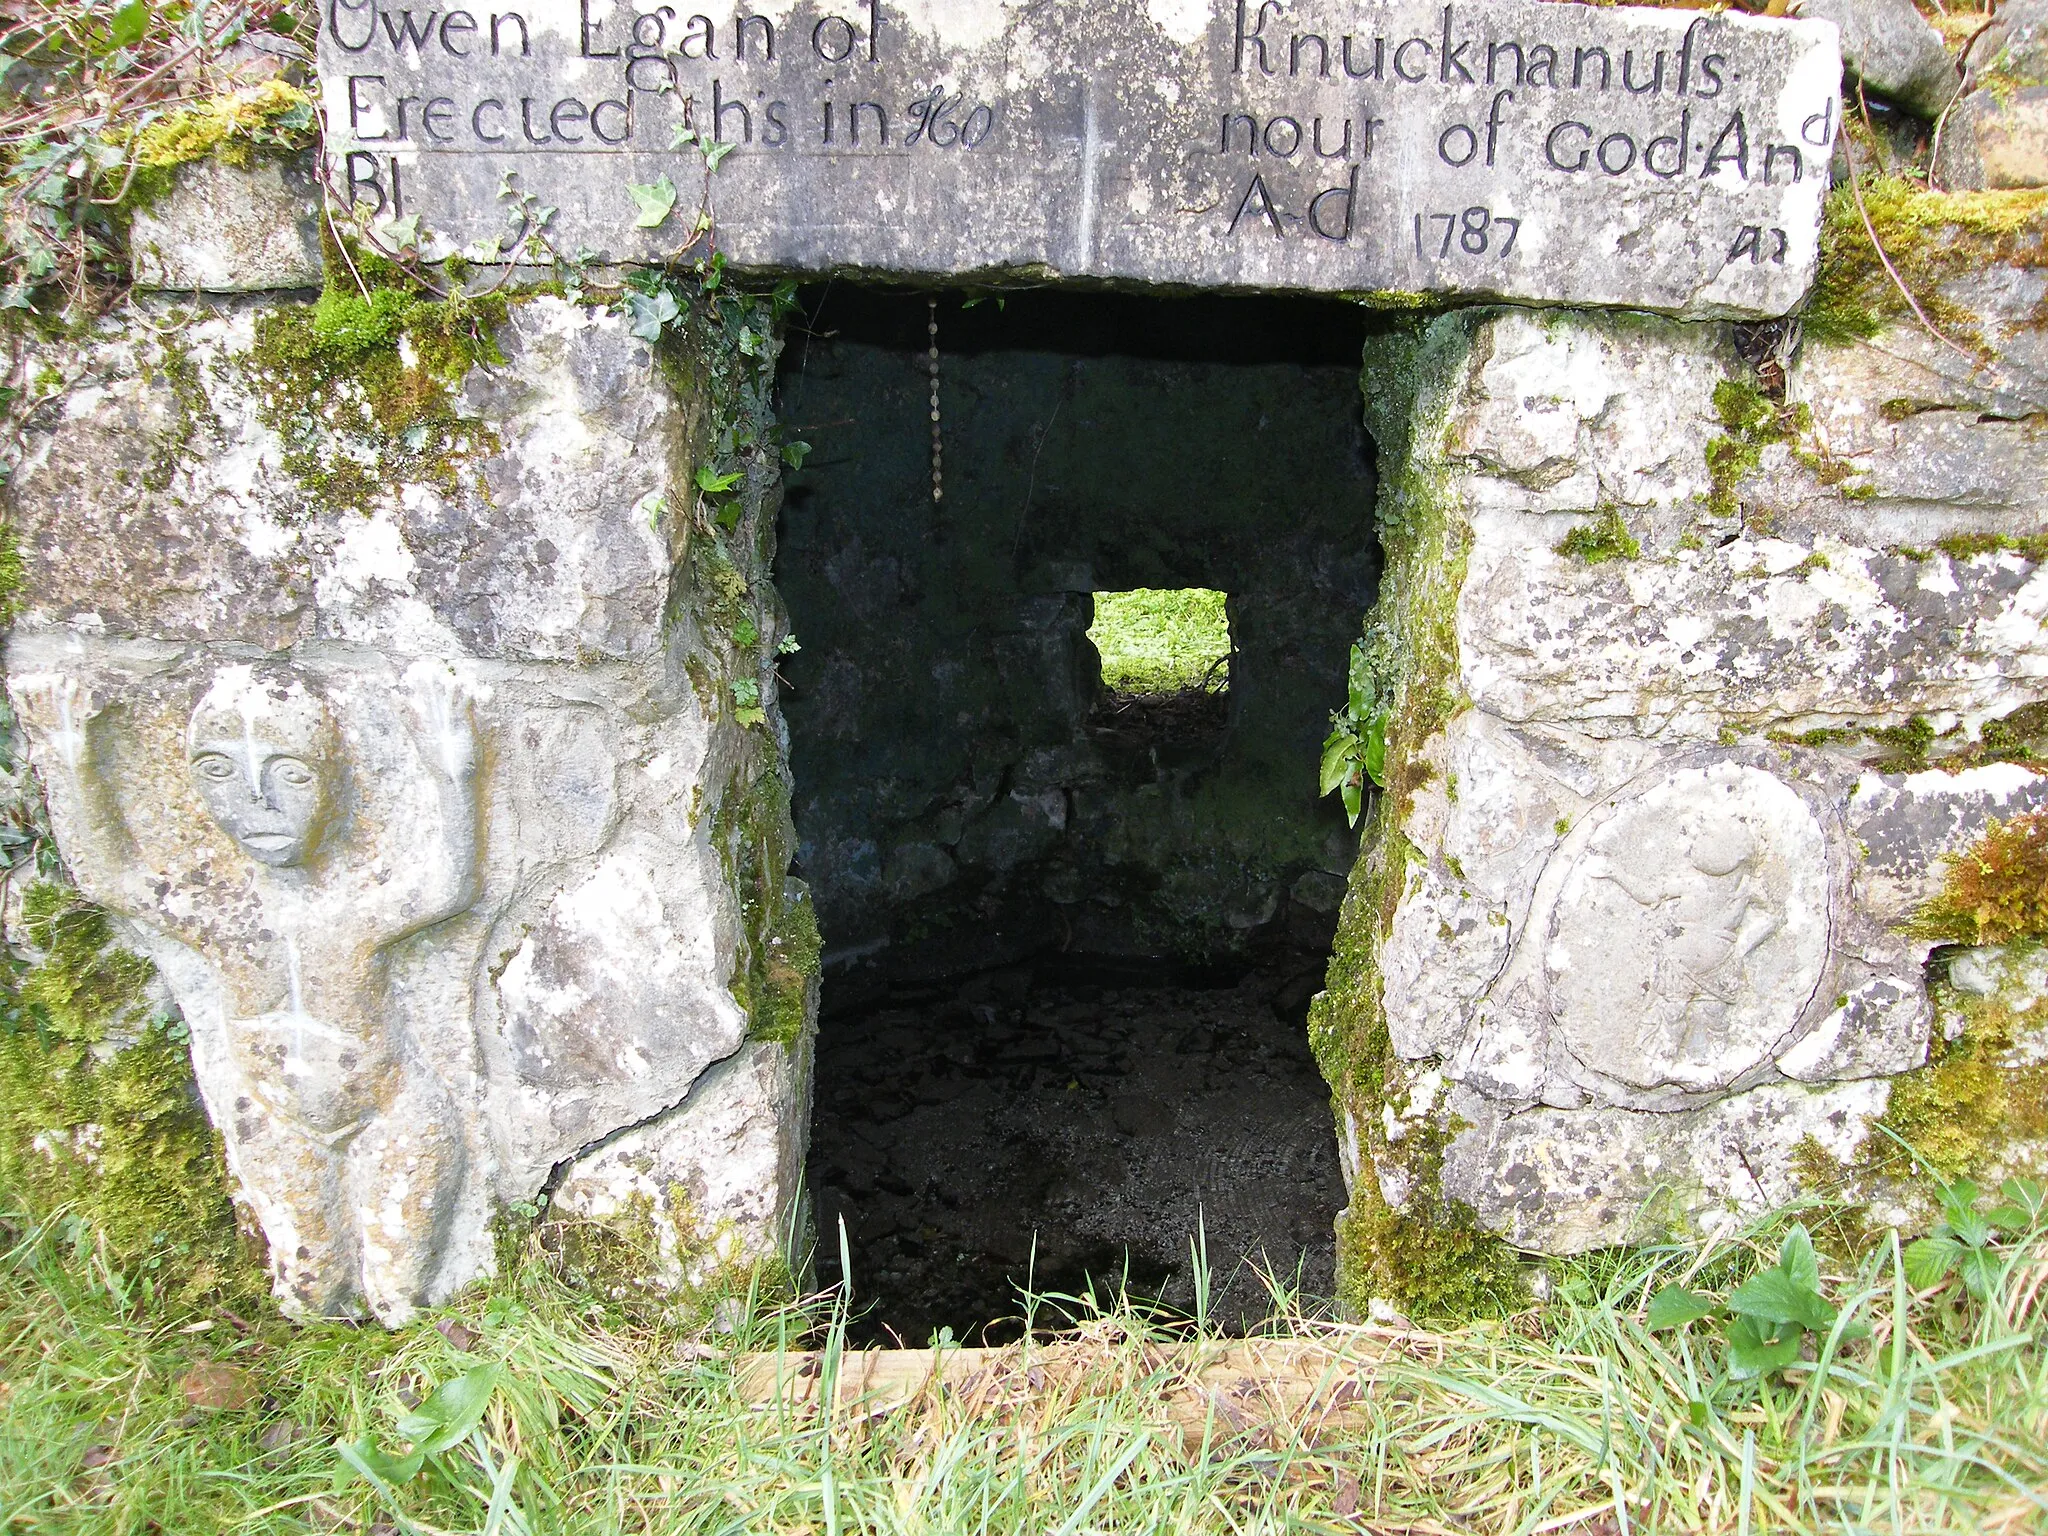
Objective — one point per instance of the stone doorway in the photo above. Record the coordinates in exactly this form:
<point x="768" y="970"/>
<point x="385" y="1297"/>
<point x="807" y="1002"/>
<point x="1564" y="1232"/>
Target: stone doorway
<point x="1071" y="931"/>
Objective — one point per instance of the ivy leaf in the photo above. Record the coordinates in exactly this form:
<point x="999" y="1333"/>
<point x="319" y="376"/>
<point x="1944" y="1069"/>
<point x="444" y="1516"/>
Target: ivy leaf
<point x="1674" y="1306"/>
<point x="683" y="134"/>
<point x="794" y="454"/>
<point x="131" y="20"/>
<point x="648" y="313"/>
<point x="450" y="1412"/>
<point x="713" y="153"/>
<point x="1929" y="1260"/>
<point x="400" y="234"/>
<point x="655" y="200"/>
<point x="712" y="483"/>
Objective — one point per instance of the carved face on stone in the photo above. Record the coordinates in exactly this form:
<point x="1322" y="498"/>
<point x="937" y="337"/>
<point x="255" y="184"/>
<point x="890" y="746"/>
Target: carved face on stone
<point x="264" y="756"/>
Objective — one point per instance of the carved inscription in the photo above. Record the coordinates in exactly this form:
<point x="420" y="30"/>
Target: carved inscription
<point x="1670" y="159"/>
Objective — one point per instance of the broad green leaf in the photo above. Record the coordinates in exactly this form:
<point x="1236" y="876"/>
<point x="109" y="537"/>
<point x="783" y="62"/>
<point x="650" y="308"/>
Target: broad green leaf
<point x="683" y="134"/>
<point x="1775" y="1297"/>
<point x="2027" y="1194"/>
<point x="365" y="1460"/>
<point x="712" y="483"/>
<point x="1354" y="801"/>
<point x="1337" y="760"/>
<point x="131" y="20"/>
<point x="1374" y="758"/>
<point x="1928" y="1261"/>
<point x="450" y="1412"/>
<point x="1755" y="1353"/>
<point x="1796" y="1258"/>
<point x="655" y="201"/>
<point x="1675" y="1306"/>
<point x="793" y="454"/>
<point x="1982" y="1269"/>
<point x="1361" y="689"/>
<point x="713" y="153"/>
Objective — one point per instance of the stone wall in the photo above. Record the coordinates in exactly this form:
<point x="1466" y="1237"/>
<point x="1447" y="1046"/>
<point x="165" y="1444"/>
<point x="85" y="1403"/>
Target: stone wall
<point x="386" y="677"/>
<point x="1701" y="669"/>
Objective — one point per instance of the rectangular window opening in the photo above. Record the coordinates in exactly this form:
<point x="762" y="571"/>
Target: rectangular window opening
<point x="1162" y="640"/>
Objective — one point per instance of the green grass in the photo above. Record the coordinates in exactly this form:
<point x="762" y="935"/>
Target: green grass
<point x="1155" y="640"/>
<point x="1570" y="1416"/>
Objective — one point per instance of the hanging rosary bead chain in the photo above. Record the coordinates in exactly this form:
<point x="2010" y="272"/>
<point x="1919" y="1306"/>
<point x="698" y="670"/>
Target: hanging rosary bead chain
<point x="932" y="366"/>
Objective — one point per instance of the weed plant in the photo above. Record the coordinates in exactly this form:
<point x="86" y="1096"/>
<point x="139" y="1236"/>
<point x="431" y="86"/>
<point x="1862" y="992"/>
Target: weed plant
<point x="528" y="1407"/>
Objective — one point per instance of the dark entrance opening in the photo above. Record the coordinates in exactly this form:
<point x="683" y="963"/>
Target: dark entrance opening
<point x="1072" y="922"/>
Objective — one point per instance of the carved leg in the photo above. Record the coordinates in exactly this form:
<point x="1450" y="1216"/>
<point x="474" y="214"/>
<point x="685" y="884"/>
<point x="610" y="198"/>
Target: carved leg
<point x="404" y="1174"/>
<point x="294" y="1183"/>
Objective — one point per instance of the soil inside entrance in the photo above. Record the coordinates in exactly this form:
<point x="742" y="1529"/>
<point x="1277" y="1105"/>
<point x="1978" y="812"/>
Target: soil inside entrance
<point x="1070" y="1124"/>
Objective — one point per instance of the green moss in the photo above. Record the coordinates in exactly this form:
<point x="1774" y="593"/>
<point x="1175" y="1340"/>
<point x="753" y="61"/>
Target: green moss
<point x="1605" y="538"/>
<point x="100" y="1121"/>
<point x="274" y="116"/>
<point x="1162" y="641"/>
<point x="634" y="1257"/>
<point x="356" y="414"/>
<point x="1962" y="546"/>
<point x="1962" y="1113"/>
<point x="13" y="573"/>
<point x="1752" y="423"/>
<point x="1996" y="890"/>
<point x="779" y="941"/>
<point x="1929" y="237"/>
<point x="1433" y="1258"/>
<point x="1906" y="745"/>
<point x="190" y="411"/>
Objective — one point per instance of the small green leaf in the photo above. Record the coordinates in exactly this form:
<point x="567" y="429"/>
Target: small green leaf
<point x="1775" y="1297"/>
<point x="131" y="20"/>
<point x="450" y="1412"/>
<point x="1929" y="1260"/>
<point x="1360" y="684"/>
<point x="745" y="634"/>
<point x="713" y="153"/>
<point x="1754" y="1349"/>
<point x="789" y="647"/>
<point x="1354" y="801"/>
<point x="1796" y="1258"/>
<point x="794" y="454"/>
<point x="1697" y="1413"/>
<point x="2027" y="1194"/>
<point x="712" y="483"/>
<point x="1338" y="759"/>
<point x="655" y="201"/>
<point x="1982" y="1269"/>
<point x="363" y="1459"/>
<point x="1374" y="759"/>
<point x="400" y="234"/>
<point x="1674" y="1306"/>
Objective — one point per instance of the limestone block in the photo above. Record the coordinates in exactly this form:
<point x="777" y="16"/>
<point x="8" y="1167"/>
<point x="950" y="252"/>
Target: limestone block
<point x="1570" y="1180"/>
<point x="717" y="1182"/>
<point x="1888" y="45"/>
<point x="2000" y="139"/>
<point x="426" y="808"/>
<point x="154" y="499"/>
<point x="231" y="229"/>
<point x="1648" y="934"/>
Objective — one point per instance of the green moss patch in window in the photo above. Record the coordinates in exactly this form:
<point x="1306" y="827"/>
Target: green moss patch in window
<point x="1155" y="640"/>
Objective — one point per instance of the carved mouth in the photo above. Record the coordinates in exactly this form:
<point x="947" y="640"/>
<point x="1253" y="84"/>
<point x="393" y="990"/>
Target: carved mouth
<point x="268" y="842"/>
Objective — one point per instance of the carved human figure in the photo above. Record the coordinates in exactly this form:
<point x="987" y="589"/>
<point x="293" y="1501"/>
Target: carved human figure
<point x="346" y="1143"/>
<point x="1689" y="930"/>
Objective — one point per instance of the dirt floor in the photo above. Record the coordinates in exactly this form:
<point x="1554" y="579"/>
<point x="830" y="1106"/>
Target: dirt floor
<point x="1067" y="1122"/>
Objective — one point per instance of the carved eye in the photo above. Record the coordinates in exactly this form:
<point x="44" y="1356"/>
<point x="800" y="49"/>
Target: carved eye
<point x="213" y="767"/>
<point x="292" y="773"/>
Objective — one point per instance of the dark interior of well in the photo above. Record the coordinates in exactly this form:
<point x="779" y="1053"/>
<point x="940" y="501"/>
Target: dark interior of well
<point x="1071" y="933"/>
